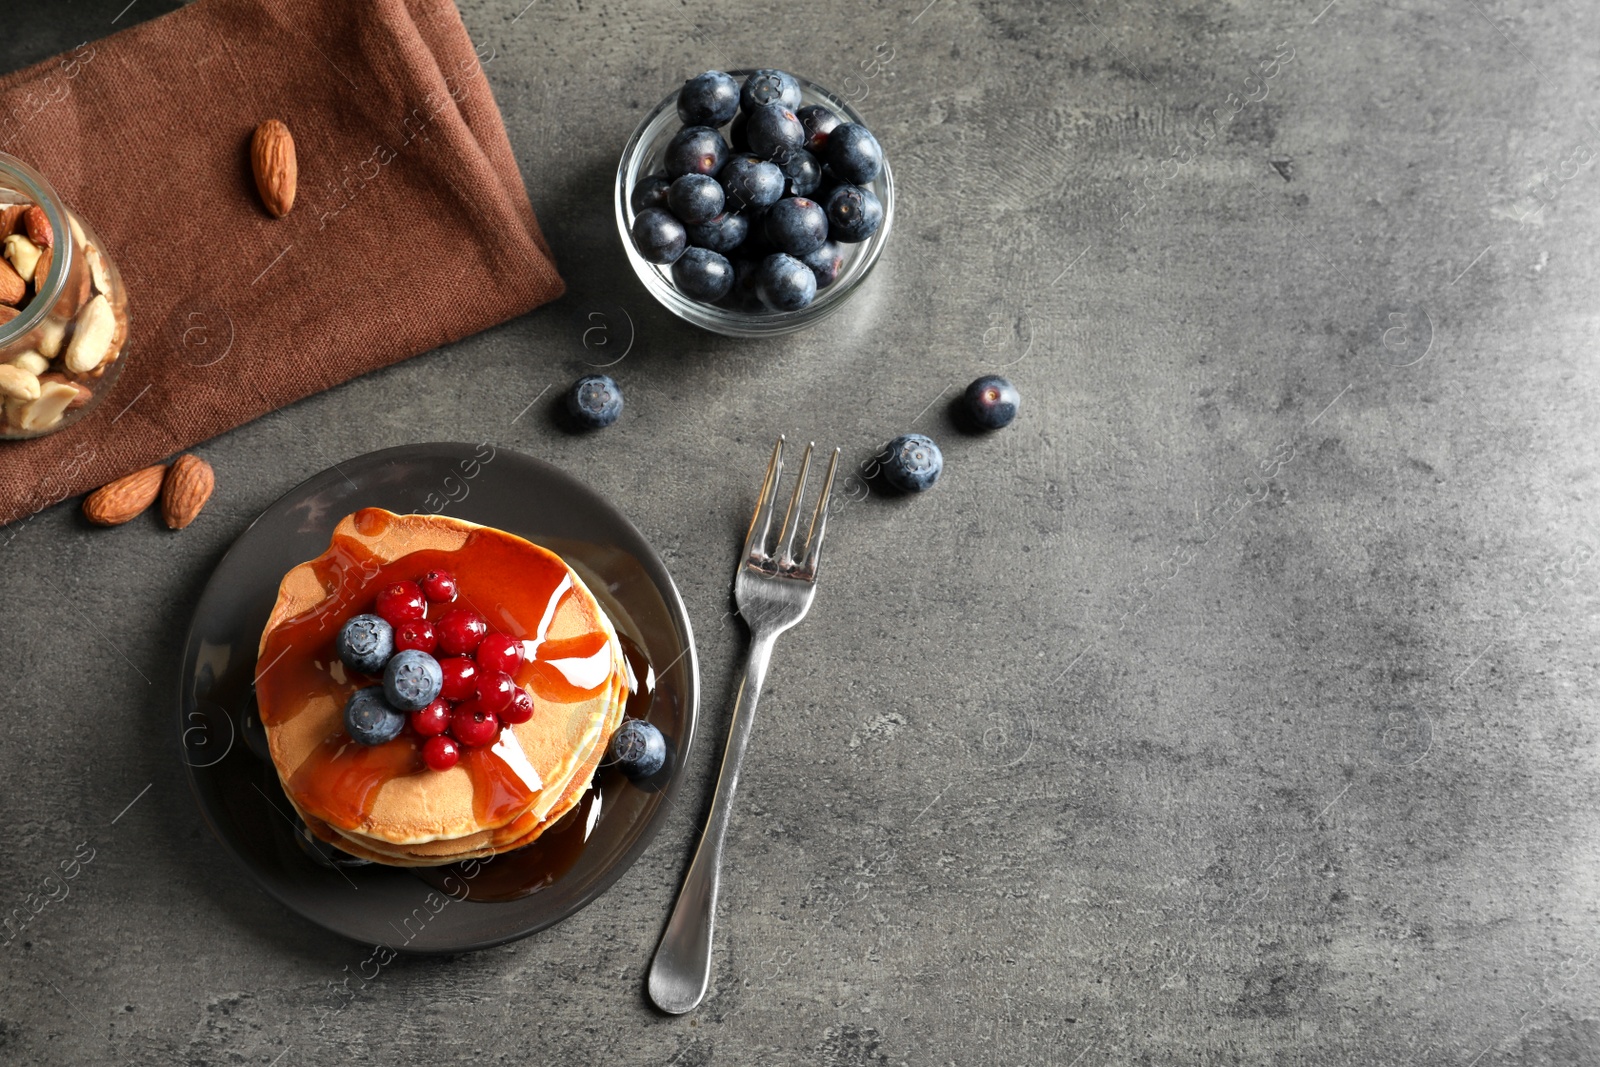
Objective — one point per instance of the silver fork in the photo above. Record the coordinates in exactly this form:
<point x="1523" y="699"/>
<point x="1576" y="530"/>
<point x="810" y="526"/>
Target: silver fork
<point x="774" y="590"/>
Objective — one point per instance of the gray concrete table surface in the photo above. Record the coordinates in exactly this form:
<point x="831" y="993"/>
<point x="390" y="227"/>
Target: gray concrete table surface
<point x="1235" y="706"/>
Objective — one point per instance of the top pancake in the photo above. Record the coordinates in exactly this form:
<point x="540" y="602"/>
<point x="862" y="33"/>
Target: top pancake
<point x="521" y="589"/>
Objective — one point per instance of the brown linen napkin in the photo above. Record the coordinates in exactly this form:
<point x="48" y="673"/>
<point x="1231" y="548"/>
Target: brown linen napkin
<point x="411" y="227"/>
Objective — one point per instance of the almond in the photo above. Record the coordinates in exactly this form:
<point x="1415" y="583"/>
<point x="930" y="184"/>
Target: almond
<point x="11" y="218"/>
<point x="7" y="314"/>
<point x="272" y="159"/>
<point x="12" y="287"/>
<point x="115" y="504"/>
<point x="187" y="488"/>
<point x="37" y="223"/>
<point x="41" y="268"/>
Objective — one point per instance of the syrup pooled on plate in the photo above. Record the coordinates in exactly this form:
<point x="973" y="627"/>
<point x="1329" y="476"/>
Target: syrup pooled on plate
<point x="536" y="866"/>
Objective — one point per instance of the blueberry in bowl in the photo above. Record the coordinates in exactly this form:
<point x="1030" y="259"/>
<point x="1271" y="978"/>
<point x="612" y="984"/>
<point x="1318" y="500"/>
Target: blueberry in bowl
<point x="854" y="214"/>
<point x="722" y="234"/>
<point x="802" y="174"/>
<point x="650" y="192"/>
<point x="750" y="182"/>
<point x="659" y="236"/>
<point x="793" y="237"/>
<point x="796" y="226"/>
<point x="695" y="150"/>
<point x="826" y="263"/>
<point x="818" y="122"/>
<point x="854" y="154"/>
<point x="783" y="283"/>
<point x="774" y="132"/>
<point x="709" y="99"/>
<point x="703" y="274"/>
<point x="769" y="87"/>
<point x="695" y="198"/>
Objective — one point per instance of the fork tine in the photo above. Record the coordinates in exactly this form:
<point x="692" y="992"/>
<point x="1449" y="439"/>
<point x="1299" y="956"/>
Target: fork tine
<point x="791" y="517"/>
<point x="819" y="518"/>
<point x="755" y="542"/>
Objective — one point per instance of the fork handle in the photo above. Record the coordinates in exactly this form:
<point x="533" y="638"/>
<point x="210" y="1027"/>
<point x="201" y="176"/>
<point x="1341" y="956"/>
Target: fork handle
<point x="681" y="970"/>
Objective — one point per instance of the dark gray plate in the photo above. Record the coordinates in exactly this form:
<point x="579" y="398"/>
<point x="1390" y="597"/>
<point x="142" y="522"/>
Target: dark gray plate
<point x="448" y="909"/>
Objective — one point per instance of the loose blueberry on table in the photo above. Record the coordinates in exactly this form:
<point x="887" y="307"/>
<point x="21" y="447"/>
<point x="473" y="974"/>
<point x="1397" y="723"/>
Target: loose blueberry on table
<point x="594" y="401"/>
<point x="456" y="693"/>
<point x="991" y="402"/>
<point x="912" y="463"/>
<point x="736" y="226"/>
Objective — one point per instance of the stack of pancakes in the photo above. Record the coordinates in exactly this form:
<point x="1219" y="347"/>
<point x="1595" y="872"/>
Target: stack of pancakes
<point x="419" y="817"/>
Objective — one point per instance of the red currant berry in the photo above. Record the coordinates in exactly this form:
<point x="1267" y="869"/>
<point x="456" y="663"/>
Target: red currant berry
<point x="500" y="652"/>
<point x="473" y="726"/>
<point x="440" y="753"/>
<point x="401" y="602"/>
<point x="521" y="709"/>
<point x="432" y="720"/>
<point x="439" y="586"/>
<point x="417" y="634"/>
<point x="459" y="630"/>
<point x="494" y="690"/>
<point x="460" y="678"/>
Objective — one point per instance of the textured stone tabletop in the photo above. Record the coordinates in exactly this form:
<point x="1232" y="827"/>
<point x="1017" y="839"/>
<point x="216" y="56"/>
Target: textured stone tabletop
<point x="1237" y="705"/>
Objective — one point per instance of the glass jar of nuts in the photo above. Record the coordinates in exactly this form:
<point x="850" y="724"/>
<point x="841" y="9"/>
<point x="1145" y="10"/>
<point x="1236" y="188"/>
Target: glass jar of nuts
<point x="63" y="310"/>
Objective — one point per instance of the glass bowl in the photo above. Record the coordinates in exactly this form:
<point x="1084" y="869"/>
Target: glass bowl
<point x="63" y="344"/>
<point x="642" y="157"/>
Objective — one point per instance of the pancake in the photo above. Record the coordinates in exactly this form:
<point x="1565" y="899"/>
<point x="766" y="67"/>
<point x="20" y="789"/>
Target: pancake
<point x="382" y="800"/>
<point x="512" y="835"/>
<point x="366" y="848"/>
